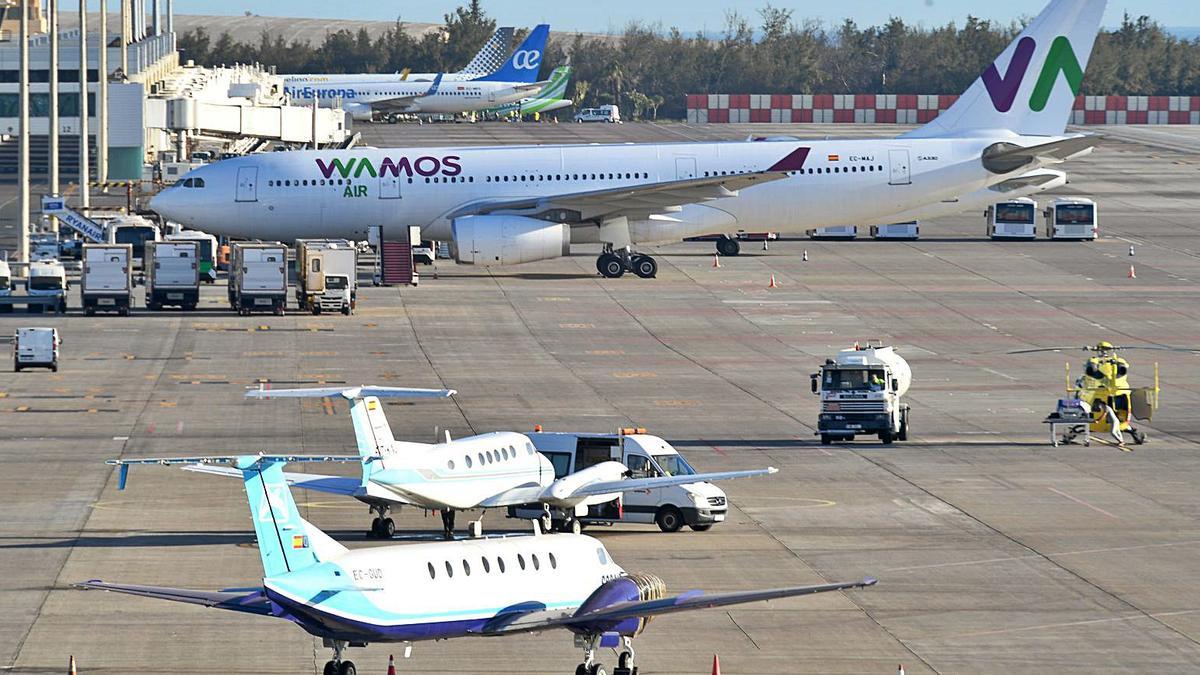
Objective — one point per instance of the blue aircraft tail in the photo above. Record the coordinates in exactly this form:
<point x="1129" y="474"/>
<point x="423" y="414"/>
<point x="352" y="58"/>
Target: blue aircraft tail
<point x="286" y="542"/>
<point x="525" y="62"/>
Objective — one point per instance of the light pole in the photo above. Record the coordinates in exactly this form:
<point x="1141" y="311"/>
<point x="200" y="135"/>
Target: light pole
<point x="23" y="141"/>
<point x="85" y="200"/>
<point x="102" y="96"/>
<point x="54" y="125"/>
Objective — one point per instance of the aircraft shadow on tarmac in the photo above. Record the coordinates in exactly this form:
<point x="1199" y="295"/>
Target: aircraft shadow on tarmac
<point x="535" y="276"/>
<point x="855" y="445"/>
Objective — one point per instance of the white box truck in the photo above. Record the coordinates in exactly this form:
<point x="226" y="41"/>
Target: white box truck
<point x="36" y="348"/>
<point x="326" y="275"/>
<point x="861" y="392"/>
<point x="697" y="505"/>
<point x="903" y="231"/>
<point x="107" y="281"/>
<point x="833" y="232"/>
<point x="172" y="274"/>
<point x="258" y="278"/>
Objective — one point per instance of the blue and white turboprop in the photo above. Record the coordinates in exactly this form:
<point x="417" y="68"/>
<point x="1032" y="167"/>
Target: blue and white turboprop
<point x="492" y="470"/>
<point x="431" y="591"/>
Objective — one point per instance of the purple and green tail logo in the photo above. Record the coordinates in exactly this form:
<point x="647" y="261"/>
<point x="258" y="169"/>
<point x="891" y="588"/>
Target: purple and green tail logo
<point x="1060" y="59"/>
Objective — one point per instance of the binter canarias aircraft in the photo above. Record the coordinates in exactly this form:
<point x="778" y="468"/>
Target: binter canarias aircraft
<point x="517" y="204"/>
<point x="491" y="470"/>
<point x="488" y="586"/>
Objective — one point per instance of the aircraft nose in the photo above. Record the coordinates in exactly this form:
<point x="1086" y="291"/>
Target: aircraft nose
<point x="166" y="204"/>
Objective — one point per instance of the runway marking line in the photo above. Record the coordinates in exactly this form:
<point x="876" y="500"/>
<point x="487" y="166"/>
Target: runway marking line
<point x="1081" y="502"/>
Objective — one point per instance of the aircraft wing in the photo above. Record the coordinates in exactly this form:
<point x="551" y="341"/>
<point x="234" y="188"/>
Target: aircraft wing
<point x="207" y="461"/>
<point x="608" y="616"/>
<point x="405" y="102"/>
<point x="531" y="86"/>
<point x="1008" y="157"/>
<point x="631" y="484"/>
<point x="351" y="392"/>
<point x="336" y="485"/>
<point x="252" y="601"/>
<point x="1041" y="177"/>
<point x="638" y="199"/>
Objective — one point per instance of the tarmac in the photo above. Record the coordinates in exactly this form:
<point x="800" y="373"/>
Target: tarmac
<point x="995" y="552"/>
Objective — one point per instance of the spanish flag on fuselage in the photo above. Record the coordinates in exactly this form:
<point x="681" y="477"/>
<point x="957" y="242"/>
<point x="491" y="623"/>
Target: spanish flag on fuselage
<point x="832" y="158"/>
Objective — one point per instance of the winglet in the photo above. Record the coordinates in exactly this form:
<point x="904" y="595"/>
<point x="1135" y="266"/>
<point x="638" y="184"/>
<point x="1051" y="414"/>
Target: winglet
<point x="794" y="161"/>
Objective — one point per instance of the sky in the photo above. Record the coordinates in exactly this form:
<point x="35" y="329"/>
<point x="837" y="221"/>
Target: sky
<point x="602" y="16"/>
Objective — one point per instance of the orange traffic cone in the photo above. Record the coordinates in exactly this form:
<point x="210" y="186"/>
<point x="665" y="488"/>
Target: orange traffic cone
<point x="71" y="667"/>
<point x="716" y="665"/>
<point x="716" y="260"/>
<point x="772" y="284"/>
<point x="391" y="665"/>
<point x="1132" y="274"/>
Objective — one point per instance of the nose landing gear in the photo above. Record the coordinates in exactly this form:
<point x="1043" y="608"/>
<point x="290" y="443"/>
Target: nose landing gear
<point x="336" y="666"/>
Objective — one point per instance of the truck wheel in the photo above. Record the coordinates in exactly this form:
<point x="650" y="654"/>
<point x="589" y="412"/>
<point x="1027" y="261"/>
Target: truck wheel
<point x="89" y="311"/>
<point x="903" y="436"/>
<point x="669" y="519"/>
<point x="701" y="527"/>
<point x="826" y="439"/>
<point x="54" y="368"/>
<point x="885" y="437"/>
<point x="346" y="310"/>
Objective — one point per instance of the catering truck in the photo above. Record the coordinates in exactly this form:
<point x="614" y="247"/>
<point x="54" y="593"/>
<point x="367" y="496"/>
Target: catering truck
<point x="862" y="391"/>
<point x="107" y="281"/>
<point x="172" y="274"/>
<point x="326" y="275"/>
<point x="697" y="505"/>
<point x="258" y="278"/>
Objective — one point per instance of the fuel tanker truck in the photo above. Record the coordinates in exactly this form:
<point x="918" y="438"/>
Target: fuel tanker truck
<point x="862" y="391"/>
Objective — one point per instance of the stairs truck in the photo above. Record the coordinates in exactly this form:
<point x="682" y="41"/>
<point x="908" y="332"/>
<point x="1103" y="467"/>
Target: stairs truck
<point x="172" y="274"/>
<point x="326" y="275"/>
<point x="258" y="278"/>
<point x="107" y="281"/>
<point x="862" y="391"/>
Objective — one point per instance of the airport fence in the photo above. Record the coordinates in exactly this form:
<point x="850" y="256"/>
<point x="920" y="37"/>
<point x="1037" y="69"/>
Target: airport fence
<point x="918" y="108"/>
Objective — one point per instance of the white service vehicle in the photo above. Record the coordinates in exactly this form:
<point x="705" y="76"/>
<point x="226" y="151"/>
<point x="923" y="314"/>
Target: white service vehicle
<point x="172" y="274"/>
<point x="47" y="279"/>
<point x="326" y="275"/>
<point x="605" y="113"/>
<point x="133" y="230"/>
<point x="36" y="348"/>
<point x="833" y="232"/>
<point x="697" y="505"/>
<point x="905" y="231"/>
<point x="107" y="281"/>
<point x="208" y="246"/>
<point x="5" y="286"/>
<point x="43" y="246"/>
<point x="258" y="278"/>
<point x="1072" y="218"/>
<point x="861" y="393"/>
<point x="1013" y="219"/>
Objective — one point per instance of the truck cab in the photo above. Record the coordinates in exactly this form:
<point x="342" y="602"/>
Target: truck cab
<point x="36" y="348"/>
<point x="861" y="393"/>
<point x="47" y="279"/>
<point x="697" y="505"/>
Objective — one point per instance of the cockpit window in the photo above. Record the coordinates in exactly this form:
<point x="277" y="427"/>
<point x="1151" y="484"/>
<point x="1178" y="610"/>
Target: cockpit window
<point x="198" y="182"/>
<point x="187" y="183"/>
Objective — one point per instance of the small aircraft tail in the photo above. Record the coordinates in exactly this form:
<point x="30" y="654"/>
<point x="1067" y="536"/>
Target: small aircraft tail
<point x="560" y="77"/>
<point x="286" y="542"/>
<point x="1031" y="87"/>
<point x="491" y="56"/>
<point x="525" y="62"/>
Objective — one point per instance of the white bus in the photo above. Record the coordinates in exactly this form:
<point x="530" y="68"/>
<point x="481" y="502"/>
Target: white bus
<point x="1072" y="218"/>
<point x="1015" y="219"/>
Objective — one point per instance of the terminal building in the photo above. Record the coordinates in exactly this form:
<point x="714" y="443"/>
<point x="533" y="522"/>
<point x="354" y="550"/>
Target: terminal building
<point x="159" y="109"/>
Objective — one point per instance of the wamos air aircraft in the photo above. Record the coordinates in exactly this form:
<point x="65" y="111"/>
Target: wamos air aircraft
<point x="516" y="204"/>
<point x="516" y="79"/>
<point x="434" y="591"/>
<point x="491" y="470"/>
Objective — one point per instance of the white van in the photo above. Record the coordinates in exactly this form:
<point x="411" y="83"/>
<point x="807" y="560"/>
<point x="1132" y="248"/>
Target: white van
<point x="36" y="348"/>
<point x="697" y="505"/>
<point x="605" y="113"/>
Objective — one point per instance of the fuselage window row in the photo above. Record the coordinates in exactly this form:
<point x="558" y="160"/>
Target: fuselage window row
<point x="487" y="565"/>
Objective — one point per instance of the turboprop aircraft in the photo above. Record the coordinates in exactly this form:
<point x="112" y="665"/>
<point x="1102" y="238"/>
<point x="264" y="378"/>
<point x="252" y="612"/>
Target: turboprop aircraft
<point x="518" y="204"/>
<point x="485" y="471"/>
<point x="489" y="586"/>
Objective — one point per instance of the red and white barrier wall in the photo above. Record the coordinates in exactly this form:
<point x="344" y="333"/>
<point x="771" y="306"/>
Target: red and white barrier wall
<point x="919" y="108"/>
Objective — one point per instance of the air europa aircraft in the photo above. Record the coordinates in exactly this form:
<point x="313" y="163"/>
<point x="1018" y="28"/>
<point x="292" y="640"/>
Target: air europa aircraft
<point x="517" y="204"/>
<point x="490" y="586"/>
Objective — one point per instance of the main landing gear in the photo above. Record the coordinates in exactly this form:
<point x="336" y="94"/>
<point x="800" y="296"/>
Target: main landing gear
<point x="337" y="666"/>
<point x="382" y="527"/>
<point x="591" y="666"/>
<point x="615" y="263"/>
<point x="728" y="246"/>
<point x="448" y="523"/>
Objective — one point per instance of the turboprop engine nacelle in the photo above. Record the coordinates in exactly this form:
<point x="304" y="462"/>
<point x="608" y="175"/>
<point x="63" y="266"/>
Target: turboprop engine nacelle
<point x="507" y="240"/>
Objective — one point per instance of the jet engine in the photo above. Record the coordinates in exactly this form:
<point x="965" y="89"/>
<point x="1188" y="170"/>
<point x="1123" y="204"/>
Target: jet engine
<point x="636" y="587"/>
<point x="359" y="112"/>
<point x="507" y="240"/>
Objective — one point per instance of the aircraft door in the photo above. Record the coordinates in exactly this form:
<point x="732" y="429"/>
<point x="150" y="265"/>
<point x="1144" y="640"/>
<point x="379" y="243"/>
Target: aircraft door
<point x="389" y="187"/>
<point x="247" y="184"/>
<point x="685" y="168"/>
<point x="901" y="175"/>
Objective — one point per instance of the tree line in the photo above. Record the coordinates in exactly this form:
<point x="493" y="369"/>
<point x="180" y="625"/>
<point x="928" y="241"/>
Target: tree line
<point x="648" y="70"/>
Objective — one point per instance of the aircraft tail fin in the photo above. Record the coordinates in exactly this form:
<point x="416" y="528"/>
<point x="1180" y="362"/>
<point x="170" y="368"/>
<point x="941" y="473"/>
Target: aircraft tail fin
<point x="286" y="541"/>
<point x="1030" y="88"/>
<point x="525" y="62"/>
<point x="491" y="55"/>
<point x="560" y="77"/>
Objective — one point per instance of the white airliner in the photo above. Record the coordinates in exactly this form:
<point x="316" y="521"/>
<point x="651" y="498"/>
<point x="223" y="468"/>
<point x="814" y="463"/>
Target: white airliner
<point x="491" y="470"/>
<point x="492" y="586"/>
<point x="517" y="204"/>
<point x="364" y="100"/>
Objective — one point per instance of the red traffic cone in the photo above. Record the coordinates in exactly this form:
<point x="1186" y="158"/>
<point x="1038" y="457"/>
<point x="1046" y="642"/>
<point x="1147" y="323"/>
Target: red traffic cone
<point x="391" y="665"/>
<point x="71" y="667"/>
<point x="716" y="260"/>
<point x="772" y="284"/>
<point x="716" y="665"/>
<point x="1132" y="274"/>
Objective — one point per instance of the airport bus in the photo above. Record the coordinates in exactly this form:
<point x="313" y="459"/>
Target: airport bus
<point x="1013" y="219"/>
<point x="1072" y="218"/>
